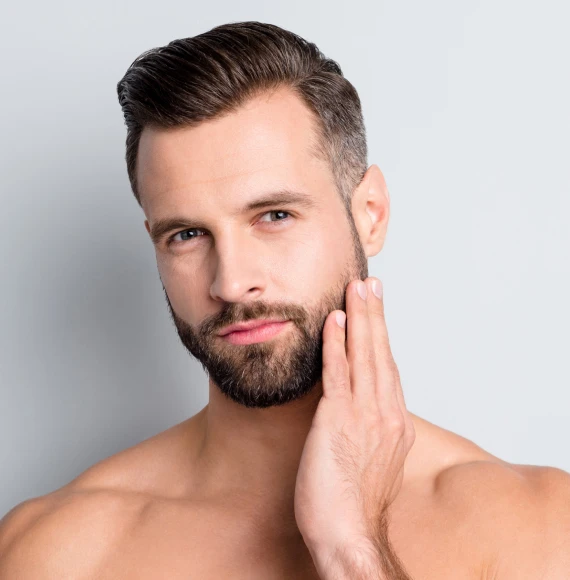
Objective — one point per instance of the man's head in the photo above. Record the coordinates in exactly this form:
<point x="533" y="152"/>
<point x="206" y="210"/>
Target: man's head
<point x="216" y="122"/>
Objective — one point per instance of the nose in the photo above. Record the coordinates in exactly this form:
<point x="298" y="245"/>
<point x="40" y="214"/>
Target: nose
<point x="239" y="275"/>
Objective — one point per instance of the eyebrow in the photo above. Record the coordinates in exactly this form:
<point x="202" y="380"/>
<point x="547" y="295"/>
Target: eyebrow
<point x="283" y="197"/>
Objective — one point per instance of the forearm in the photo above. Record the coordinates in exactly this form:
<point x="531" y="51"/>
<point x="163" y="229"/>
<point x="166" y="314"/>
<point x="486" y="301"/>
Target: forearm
<point x="370" y="559"/>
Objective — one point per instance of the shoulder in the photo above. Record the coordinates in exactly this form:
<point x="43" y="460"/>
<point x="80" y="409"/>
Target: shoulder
<point x="75" y="528"/>
<point x="65" y="532"/>
<point x="519" y="514"/>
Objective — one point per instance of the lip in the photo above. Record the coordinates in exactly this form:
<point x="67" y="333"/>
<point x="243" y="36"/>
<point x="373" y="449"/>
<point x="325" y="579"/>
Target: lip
<point x="259" y="333"/>
<point x="241" y="326"/>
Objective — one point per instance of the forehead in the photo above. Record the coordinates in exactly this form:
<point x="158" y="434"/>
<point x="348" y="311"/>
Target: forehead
<point x="266" y="144"/>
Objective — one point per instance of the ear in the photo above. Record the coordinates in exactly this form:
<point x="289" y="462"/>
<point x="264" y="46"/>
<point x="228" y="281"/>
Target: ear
<point x="147" y="226"/>
<point x="371" y="210"/>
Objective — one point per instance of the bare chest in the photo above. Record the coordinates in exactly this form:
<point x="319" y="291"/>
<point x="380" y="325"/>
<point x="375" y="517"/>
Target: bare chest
<point x="210" y="548"/>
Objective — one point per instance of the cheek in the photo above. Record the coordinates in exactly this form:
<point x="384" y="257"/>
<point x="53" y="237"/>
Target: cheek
<point x="179" y="269"/>
<point x="316" y="261"/>
<point x="181" y="283"/>
<point x="335" y="254"/>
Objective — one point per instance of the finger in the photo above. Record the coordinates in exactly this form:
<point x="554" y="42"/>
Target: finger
<point x="389" y="382"/>
<point x="359" y="346"/>
<point x="336" y="379"/>
<point x="387" y="379"/>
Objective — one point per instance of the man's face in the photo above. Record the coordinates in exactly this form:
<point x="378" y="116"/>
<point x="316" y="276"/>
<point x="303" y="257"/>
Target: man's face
<point x="223" y="265"/>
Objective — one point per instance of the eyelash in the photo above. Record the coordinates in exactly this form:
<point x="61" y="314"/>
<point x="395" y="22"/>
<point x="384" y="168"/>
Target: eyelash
<point x="172" y="241"/>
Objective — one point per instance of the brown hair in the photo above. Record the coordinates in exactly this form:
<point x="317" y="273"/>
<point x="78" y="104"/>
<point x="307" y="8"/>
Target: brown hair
<point x="205" y="76"/>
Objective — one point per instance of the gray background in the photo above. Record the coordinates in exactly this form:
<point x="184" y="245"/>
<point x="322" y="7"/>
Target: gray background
<point x="466" y="106"/>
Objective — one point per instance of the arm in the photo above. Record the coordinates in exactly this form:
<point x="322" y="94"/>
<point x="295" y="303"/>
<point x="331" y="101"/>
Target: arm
<point x="533" y="538"/>
<point x="14" y="526"/>
<point x="366" y="560"/>
<point x="59" y="535"/>
<point x="538" y="537"/>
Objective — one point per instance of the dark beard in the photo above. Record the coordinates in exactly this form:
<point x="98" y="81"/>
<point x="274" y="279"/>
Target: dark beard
<point x="277" y="371"/>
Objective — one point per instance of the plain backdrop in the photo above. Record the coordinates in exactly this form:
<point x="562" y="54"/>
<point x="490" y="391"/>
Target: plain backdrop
<point x="466" y="105"/>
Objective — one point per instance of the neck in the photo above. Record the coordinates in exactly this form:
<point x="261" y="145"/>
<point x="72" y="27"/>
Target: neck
<point x="252" y="455"/>
<point x="254" y="451"/>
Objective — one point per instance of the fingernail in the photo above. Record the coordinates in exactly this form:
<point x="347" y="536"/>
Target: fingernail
<point x="361" y="288"/>
<point x="340" y="319"/>
<point x="377" y="288"/>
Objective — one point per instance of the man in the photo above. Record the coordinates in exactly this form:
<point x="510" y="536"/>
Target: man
<point x="247" y="153"/>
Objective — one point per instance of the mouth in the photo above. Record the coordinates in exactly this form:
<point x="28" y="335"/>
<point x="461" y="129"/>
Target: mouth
<point x="258" y="333"/>
<point x="249" y="325"/>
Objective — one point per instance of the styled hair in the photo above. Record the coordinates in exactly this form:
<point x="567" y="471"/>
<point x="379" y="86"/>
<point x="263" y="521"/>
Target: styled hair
<point x="195" y="79"/>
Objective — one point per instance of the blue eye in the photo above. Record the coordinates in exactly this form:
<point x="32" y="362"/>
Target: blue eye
<point x="185" y="233"/>
<point x="277" y="211"/>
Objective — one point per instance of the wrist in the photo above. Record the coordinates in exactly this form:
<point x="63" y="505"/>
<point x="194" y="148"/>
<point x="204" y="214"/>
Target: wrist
<point x="355" y="560"/>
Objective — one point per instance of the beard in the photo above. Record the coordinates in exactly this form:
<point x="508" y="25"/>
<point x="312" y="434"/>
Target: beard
<point x="278" y="370"/>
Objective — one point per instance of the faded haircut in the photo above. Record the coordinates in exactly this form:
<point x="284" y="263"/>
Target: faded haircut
<point x="203" y="77"/>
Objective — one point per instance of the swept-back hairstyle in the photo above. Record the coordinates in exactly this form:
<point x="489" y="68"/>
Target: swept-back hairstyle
<point x="194" y="79"/>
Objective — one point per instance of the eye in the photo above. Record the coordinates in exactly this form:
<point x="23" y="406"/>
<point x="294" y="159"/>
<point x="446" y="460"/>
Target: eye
<point x="277" y="211"/>
<point x="185" y="234"/>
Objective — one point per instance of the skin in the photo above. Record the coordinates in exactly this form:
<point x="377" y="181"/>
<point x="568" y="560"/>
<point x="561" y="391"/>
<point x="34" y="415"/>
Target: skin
<point x="289" y="490"/>
<point x="352" y="464"/>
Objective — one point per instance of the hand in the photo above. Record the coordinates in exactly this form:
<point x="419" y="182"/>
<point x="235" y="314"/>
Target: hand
<point x="351" y="467"/>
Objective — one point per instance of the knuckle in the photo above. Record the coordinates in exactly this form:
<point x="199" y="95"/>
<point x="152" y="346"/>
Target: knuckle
<point x="337" y="387"/>
<point x="337" y="390"/>
<point x="376" y="308"/>
<point x="410" y="438"/>
<point x="395" y="424"/>
<point x="335" y="368"/>
<point x="374" y="431"/>
<point x="365" y="357"/>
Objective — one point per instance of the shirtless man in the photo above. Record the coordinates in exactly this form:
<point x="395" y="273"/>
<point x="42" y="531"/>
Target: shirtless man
<point x="305" y="463"/>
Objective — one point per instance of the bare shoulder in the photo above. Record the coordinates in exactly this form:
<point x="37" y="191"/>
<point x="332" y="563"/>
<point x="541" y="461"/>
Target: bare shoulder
<point x="520" y="514"/>
<point x="68" y="532"/>
<point x="73" y="530"/>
